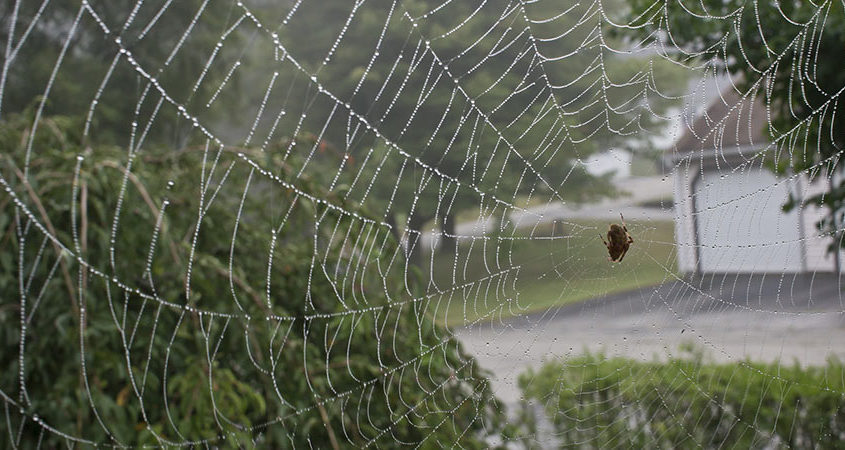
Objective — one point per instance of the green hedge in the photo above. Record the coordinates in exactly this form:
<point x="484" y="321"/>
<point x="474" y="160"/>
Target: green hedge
<point x="599" y="402"/>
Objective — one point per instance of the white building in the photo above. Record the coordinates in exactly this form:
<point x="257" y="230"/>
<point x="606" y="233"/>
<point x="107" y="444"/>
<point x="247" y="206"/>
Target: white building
<point x="616" y="161"/>
<point x="728" y="215"/>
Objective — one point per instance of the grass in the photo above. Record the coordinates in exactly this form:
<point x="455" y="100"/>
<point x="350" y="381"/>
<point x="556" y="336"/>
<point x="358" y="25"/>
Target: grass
<point x="532" y="273"/>
<point x="643" y="166"/>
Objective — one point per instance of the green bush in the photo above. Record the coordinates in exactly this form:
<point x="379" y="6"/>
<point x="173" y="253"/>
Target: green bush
<point x="599" y="402"/>
<point x="152" y="326"/>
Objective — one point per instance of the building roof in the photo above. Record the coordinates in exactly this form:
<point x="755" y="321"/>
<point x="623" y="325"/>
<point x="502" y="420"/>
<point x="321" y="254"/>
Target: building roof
<point x="729" y="122"/>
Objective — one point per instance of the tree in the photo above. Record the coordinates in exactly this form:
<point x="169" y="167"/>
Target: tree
<point x="499" y="130"/>
<point x="93" y="56"/>
<point x="784" y="52"/>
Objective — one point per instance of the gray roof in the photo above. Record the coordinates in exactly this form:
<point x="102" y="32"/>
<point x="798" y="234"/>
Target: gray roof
<point x="729" y="122"/>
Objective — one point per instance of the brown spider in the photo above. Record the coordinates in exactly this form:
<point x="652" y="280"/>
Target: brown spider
<point x="620" y="241"/>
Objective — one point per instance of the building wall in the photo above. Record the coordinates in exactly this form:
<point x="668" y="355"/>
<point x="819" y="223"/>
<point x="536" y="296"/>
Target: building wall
<point x="753" y="233"/>
<point x="741" y="225"/>
<point x="815" y="244"/>
<point x="613" y="160"/>
<point x="683" y="177"/>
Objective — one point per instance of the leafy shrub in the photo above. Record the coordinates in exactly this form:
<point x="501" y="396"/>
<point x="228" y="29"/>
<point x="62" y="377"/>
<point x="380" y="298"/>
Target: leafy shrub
<point x="153" y="316"/>
<point x="599" y="402"/>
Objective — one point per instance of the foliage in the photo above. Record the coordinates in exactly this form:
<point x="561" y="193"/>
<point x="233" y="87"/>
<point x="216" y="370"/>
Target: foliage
<point x="159" y="324"/>
<point x="481" y="114"/>
<point x="599" y="402"/>
<point x="67" y="81"/>
<point x="522" y="146"/>
<point x="782" y="52"/>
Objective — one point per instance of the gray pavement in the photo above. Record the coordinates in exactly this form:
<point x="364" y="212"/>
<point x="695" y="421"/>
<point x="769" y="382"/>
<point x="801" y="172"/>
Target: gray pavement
<point x="787" y="317"/>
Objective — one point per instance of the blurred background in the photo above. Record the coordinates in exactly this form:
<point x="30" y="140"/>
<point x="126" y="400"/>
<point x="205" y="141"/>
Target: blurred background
<point x="306" y="224"/>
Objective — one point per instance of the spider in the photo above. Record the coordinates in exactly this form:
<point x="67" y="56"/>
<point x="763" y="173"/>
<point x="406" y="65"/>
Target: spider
<point x="620" y="241"/>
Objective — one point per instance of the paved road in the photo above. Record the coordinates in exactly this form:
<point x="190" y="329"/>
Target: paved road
<point x="732" y="317"/>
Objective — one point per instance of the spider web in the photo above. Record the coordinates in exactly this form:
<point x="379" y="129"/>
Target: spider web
<point x="419" y="180"/>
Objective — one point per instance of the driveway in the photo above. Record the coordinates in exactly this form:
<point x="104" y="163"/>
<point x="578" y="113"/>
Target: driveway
<point x="786" y="317"/>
